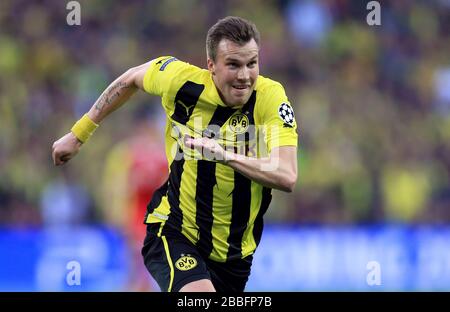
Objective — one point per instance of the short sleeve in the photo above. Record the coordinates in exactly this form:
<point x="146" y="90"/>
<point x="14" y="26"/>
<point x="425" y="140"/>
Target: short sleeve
<point x="160" y="74"/>
<point x="278" y="116"/>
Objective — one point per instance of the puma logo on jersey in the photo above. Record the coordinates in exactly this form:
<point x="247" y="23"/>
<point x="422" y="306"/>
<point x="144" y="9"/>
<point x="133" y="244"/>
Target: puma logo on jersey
<point x="187" y="108"/>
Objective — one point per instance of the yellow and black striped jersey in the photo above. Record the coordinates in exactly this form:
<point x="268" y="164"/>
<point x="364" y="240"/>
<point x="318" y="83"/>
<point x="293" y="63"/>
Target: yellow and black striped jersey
<point x="216" y="208"/>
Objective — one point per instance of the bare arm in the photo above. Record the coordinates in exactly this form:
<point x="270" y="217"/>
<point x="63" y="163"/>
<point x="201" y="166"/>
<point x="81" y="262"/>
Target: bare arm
<point x="115" y="95"/>
<point x="118" y="92"/>
<point x="279" y="171"/>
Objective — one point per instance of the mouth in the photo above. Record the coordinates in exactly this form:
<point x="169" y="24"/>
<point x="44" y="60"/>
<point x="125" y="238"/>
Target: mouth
<point x="241" y="88"/>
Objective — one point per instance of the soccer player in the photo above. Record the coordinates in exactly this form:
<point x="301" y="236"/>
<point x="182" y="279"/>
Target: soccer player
<point x="205" y="222"/>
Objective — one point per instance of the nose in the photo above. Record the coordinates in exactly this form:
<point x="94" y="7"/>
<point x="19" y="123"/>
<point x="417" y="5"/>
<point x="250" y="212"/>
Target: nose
<point x="243" y="74"/>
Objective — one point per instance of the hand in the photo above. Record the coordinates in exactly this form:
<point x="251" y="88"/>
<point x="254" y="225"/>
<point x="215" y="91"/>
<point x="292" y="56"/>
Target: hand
<point x="209" y="148"/>
<point x="65" y="148"/>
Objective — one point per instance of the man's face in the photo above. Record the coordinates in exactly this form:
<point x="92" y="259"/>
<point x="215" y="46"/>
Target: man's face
<point x="235" y="71"/>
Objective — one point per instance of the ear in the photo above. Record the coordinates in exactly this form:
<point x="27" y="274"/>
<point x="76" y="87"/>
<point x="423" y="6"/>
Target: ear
<point x="211" y="67"/>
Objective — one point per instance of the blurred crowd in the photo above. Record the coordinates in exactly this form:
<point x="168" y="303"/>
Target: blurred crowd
<point x="372" y="104"/>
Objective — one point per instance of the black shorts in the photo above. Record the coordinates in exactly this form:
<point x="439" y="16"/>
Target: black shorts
<point x="174" y="261"/>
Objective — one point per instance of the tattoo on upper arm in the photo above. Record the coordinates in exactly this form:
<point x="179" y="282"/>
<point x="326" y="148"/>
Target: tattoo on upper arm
<point x="110" y="95"/>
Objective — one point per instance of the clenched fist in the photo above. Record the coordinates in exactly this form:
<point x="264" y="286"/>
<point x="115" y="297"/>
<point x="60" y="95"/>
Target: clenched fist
<point x="65" y="148"/>
<point x="209" y="148"/>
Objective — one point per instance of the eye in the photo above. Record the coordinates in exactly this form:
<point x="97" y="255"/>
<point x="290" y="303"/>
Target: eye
<point x="233" y="65"/>
<point x="252" y="64"/>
